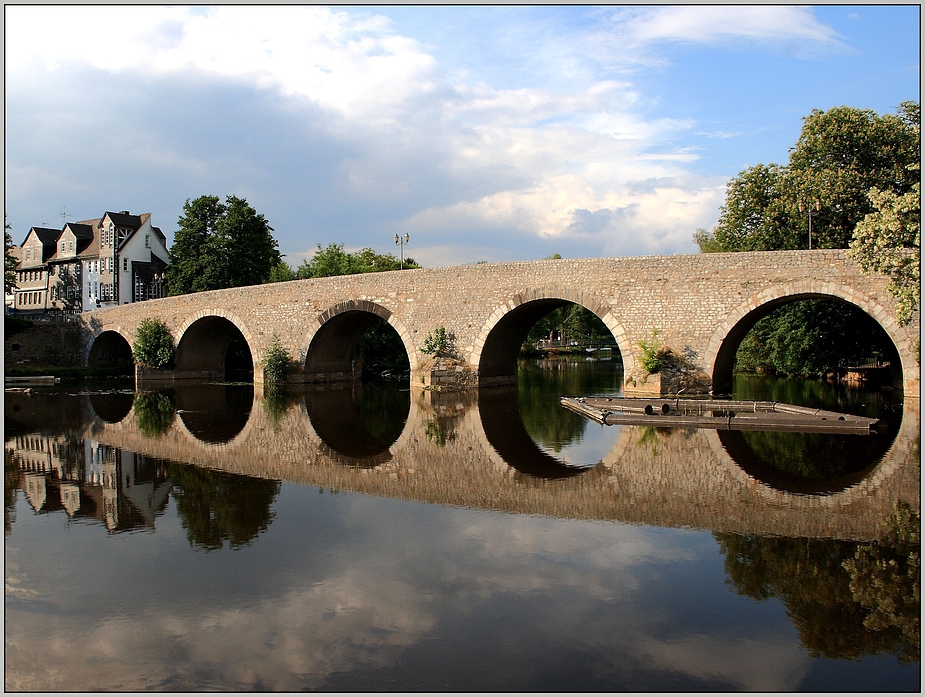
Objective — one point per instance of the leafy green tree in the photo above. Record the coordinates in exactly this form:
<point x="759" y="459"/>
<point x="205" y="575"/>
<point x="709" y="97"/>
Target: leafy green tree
<point x="153" y="345"/>
<point x="840" y="156"/>
<point x="573" y="323"/>
<point x="276" y="362"/>
<point x="756" y="215"/>
<point x="334" y="261"/>
<point x="810" y="338"/>
<point x="435" y="343"/>
<point x="862" y="169"/>
<point x="190" y="255"/>
<point x="10" y="262"/>
<point x="381" y="352"/>
<point x="221" y="245"/>
<point x="281" y="272"/>
<point x="882" y="244"/>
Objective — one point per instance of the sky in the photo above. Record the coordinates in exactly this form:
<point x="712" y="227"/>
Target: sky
<point x="484" y="133"/>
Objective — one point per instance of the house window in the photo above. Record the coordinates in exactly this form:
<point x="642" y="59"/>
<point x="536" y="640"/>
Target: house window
<point x="63" y="245"/>
<point x="148" y="241"/>
<point x="125" y="264"/>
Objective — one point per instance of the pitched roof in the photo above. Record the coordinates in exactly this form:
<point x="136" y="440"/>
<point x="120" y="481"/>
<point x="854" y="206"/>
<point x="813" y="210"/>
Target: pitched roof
<point x="46" y="235"/>
<point x="124" y="219"/>
<point x="81" y="231"/>
<point x="89" y="249"/>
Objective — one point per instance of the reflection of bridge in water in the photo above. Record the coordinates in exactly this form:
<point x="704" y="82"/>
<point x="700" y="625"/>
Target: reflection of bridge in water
<point x="470" y="449"/>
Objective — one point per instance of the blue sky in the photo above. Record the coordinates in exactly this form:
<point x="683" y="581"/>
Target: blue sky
<point x="486" y="133"/>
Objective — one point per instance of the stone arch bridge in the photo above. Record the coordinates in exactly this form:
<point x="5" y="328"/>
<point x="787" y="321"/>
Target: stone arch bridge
<point x="703" y="305"/>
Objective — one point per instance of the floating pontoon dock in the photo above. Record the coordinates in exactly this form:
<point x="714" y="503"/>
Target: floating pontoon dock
<point x="729" y="415"/>
<point x="30" y="380"/>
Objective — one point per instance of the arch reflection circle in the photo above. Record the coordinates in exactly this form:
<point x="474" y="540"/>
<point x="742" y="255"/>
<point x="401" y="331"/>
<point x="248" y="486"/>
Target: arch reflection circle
<point x="214" y="413"/>
<point x="358" y="422"/>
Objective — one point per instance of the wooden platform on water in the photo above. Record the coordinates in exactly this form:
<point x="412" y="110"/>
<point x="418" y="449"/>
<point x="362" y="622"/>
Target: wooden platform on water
<point x="30" y="380"/>
<point x="729" y="415"/>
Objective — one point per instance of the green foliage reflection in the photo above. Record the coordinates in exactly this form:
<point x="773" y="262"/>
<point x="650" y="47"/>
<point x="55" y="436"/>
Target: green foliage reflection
<point x="846" y="599"/>
<point x="217" y="507"/>
<point x="154" y="413"/>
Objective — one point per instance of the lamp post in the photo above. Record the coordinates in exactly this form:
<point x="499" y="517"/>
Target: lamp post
<point x="401" y="242"/>
<point x="811" y="213"/>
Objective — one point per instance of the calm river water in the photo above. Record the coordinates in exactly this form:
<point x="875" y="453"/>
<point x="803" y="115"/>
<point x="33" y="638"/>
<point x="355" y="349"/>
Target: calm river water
<point x="372" y="538"/>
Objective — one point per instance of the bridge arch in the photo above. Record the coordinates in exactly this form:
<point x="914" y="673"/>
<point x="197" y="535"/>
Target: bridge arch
<point x="109" y="348"/>
<point x="203" y="340"/>
<point x="329" y="346"/>
<point x="498" y="344"/>
<point x="719" y="357"/>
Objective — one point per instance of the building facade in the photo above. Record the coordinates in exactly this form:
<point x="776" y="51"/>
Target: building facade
<point x="117" y="259"/>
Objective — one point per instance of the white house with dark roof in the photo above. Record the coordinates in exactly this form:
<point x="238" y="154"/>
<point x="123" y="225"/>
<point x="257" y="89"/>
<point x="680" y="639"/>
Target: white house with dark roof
<point x="114" y="260"/>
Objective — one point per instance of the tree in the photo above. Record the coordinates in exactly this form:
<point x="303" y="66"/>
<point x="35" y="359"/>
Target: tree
<point x="281" y="272"/>
<point x="334" y="261"/>
<point x="573" y="322"/>
<point x="862" y="169"/>
<point x="221" y="245"/>
<point x="810" y="338"/>
<point x="888" y="241"/>
<point x="756" y="215"/>
<point x="10" y="262"/>
<point x="840" y="156"/>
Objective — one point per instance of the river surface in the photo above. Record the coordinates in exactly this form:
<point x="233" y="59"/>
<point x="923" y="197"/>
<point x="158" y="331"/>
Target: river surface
<point x="372" y="538"/>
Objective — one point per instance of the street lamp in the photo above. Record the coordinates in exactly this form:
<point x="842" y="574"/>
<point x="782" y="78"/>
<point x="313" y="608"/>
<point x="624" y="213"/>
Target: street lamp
<point x="401" y="242"/>
<point x="811" y="213"/>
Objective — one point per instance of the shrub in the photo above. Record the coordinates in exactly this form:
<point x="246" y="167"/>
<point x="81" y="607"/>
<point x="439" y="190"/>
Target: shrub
<point x="653" y="353"/>
<point x="153" y="345"/>
<point x="276" y="362"/>
<point x="435" y="342"/>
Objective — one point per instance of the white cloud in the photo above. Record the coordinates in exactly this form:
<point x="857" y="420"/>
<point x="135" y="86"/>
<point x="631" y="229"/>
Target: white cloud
<point x="638" y="35"/>
<point x="408" y="144"/>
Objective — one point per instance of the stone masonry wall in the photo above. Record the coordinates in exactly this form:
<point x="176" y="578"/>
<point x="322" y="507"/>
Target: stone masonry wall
<point x="694" y="300"/>
<point x="45" y="345"/>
